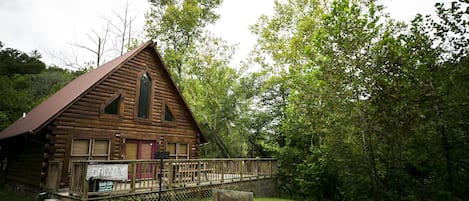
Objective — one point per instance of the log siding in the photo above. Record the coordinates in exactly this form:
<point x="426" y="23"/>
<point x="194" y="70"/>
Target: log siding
<point x="42" y="141"/>
<point x="85" y="117"/>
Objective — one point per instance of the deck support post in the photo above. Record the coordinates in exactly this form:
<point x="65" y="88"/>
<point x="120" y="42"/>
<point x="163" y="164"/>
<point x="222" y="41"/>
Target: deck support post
<point x="242" y="170"/>
<point x="257" y="168"/>
<point x="198" y="172"/>
<point x="134" y="175"/>
<point x="170" y="176"/>
<point x="160" y="177"/>
<point x="222" y="168"/>
<point x="85" y="184"/>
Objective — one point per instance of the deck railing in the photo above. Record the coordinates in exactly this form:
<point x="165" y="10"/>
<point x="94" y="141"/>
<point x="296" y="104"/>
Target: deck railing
<point x="142" y="175"/>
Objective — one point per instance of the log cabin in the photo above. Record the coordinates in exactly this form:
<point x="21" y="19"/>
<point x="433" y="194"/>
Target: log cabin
<point x="128" y="108"/>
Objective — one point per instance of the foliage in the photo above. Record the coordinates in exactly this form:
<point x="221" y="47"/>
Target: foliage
<point x="218" y="94"/>
<point x="354" y="105"/>
<point x="373" y="109"/>
<point x="5" y="194"/>
<point x="14" y="61"/>
<point x="23" y="89"/>
<point x="177" y="25"/>
<point x="270" y="199"/>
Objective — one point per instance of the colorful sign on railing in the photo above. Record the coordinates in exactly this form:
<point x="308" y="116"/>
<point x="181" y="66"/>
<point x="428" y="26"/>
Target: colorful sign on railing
<point x="107" y="171"/>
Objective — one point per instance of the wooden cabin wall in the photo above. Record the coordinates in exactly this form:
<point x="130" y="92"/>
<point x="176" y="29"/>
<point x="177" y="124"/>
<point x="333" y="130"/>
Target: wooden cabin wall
<point x="85" y="118"/>
<point x="24" y="163"/>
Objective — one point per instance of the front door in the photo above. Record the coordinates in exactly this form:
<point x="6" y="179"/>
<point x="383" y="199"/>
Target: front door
<point x="140" y="150"/>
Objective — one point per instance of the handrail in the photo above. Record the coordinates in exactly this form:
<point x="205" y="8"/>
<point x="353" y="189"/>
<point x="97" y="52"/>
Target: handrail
<point x="178" y="160"/>
<point x="142" y="174"/>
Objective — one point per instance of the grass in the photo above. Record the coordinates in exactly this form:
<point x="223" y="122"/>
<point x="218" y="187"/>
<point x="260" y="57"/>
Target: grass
<point x="271" y="199"/>
<point x="258" y="199"/>
<point x="7" y="195"/>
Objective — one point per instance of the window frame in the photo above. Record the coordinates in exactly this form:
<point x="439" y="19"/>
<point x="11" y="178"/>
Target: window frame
<point x="120" y="110"/>
<point x="150" y="97"/>
<point x="163" y="113"/>
<point x="91" y="144"/>
<point x="177" y="155"/>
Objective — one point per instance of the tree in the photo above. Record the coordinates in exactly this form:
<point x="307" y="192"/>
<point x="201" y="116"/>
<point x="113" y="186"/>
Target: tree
<point x="113" y="39"/>
<point x="99" y="43"/>
<point x="369" y="106"/>
<point x="25" y="83"/>
<point x="216" y="97"/>
<point x="177" y="25"/>
<point x="123" y="28"/>
<point x="198" y="62"/>
<point x="14" y="61"/>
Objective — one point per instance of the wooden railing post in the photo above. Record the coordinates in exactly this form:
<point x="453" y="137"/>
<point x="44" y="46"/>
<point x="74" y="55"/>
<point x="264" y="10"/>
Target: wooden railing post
<point x="214" y="171"/>
<point x="134" y="175"/>
<point x="257" y="167"/>
<point x="271" y="169"/>
<point x="242" y="170"/>
<point x="170" y="175"/>
<point x="85" y="183"/>
<point x="199" y="172"/>
<point x="222" y="170"/>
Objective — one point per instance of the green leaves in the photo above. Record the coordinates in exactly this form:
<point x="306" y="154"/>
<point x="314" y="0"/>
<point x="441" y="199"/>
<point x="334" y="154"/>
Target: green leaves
<point x="380" y="96"/>
<point x="25" y="83"/>
<point x="14" y="61"/>
<point x="177" y="26"/>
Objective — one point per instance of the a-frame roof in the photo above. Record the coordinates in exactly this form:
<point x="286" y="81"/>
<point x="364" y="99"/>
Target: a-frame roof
<point x="48" y="110"/>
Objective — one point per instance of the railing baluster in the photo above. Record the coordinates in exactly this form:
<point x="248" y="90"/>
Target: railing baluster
<point x="182" y="173"/>
<point x="222" y="171"/>
<point x="171" y="175"/>
<point x="257" y="168"/>
<point x="84" y="181"/>
<point x="199" y="172"/>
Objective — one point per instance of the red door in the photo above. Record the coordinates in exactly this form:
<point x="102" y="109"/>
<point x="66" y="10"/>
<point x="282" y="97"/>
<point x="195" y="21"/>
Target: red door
<point x="140" y="149"/>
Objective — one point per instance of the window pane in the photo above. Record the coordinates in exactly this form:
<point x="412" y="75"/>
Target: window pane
<point x="183" y="149"/>
<point x="144" y="98"/>
<point x="113" y="107"/>
<point x="168" y="115"/>
<point x="171" y="148"/>
<point x="101" y="148"/>
<point x="80" y="147"/>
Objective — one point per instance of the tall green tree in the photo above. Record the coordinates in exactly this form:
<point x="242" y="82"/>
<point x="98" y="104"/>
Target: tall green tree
<point x="25" y="82"/>
<point x="199" y="62"/>
<point x="14" y="61"/>
<point x="177" y="25"/>
<point x="364" y="117"/>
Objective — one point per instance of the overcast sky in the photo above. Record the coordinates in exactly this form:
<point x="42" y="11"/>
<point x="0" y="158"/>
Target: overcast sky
<point x="51" y="25"/>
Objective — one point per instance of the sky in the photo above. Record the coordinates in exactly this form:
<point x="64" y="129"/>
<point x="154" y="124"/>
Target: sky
<point x="51" y="26"/>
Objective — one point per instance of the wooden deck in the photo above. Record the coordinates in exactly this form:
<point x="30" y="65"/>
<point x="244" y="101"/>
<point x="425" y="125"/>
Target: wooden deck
<point x="142" y="176"/>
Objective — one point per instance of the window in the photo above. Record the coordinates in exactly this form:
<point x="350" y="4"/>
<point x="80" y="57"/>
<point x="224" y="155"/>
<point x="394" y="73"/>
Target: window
<point x="178" y="150"/>
<point x="144" y="97"/>
<point x="113" y="107"/>
<point x="90" y="149"/>
<point x="168" y="115"/>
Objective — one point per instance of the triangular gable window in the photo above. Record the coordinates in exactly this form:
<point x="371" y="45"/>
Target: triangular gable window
<point x="168" y="115"/>
<point x="113" y="107"/>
